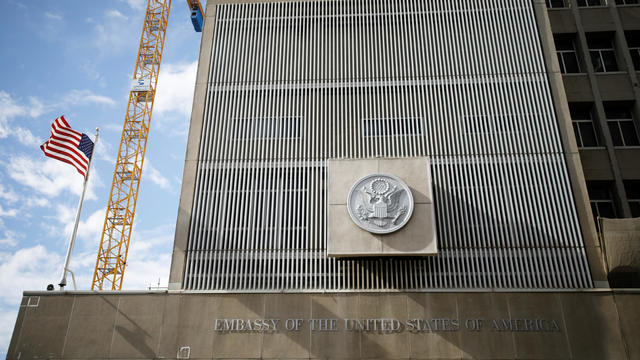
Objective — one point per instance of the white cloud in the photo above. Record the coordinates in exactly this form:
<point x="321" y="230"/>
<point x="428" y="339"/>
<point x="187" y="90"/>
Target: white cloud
<point x="12" y="109"/>
<point x="8" y="315"/>
<point x="136" y="4"/>
<point x="49" y="177"/>
<point x="28" y="268"/>
<point x="37" y="201"/>
<point x="149" y="257"/>
<point x="53" y="16"/>
<point x="9" y="195"/>
<point x="9" y="238"/>
<point x="113" y="13"/>
<point x="77" y="97"/>
<point x="26" y="137"/>
<point x="155" y="176"/>
<point x="175" y="88"/>
<point x="15" y="109"/>
<point x="90" y="228"/>
<point x="112" y="35"/>
<point x="8" y="213"/>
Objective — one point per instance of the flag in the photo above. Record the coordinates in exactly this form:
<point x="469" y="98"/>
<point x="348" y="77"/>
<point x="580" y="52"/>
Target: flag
<point x="68" y="145"/>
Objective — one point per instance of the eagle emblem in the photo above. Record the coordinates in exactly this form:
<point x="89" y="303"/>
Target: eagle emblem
<point x="380" y="203"/>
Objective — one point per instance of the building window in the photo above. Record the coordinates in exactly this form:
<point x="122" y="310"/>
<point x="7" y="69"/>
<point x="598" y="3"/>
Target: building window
<point x="582" y="120"/>
<point x="621" y="126"/>
<point x="286" y="127"/>
<point x="552" y="4"/>
<point x="632" y="188"/>
<point x="589" y="3"/>
<point x="601" y="199"/>
<point x="633" y="41"/>
<point x="567" y="57"/>
<point x="627" y="2"/>
<point x="391" y="127"/>
<point x="603" y="56"/>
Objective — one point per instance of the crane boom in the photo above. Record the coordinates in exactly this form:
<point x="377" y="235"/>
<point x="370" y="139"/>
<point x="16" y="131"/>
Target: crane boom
<point x="118" y="222"/>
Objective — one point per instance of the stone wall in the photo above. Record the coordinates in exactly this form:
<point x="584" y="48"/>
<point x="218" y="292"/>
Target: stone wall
<point x="454" y="325"/>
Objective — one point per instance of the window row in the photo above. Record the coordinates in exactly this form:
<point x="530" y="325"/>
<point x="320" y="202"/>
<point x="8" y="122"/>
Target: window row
<point x="602" y="52"/>
<point x="601" y="198"/>
<point x="620" y="124"/>
<point x="554" y="4"/>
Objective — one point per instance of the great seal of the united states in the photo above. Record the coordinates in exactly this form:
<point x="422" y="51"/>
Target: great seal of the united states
<point x="380" y="203"/>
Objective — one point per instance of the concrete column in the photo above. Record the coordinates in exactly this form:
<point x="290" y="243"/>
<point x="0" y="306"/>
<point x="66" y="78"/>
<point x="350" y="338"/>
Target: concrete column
<point x="570" y="147"/>
<point x="601" y="119"/>
<point x="178" y="259"/>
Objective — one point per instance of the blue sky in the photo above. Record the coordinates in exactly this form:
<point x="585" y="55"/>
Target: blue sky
<point x="76" y="58"/>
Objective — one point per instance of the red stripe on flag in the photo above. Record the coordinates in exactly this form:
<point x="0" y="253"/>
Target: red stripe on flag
<point x="81" y="171"/>
<point x="63" y="146"/>
<point x="48" y="150"/>
<point x="60" y="128"/>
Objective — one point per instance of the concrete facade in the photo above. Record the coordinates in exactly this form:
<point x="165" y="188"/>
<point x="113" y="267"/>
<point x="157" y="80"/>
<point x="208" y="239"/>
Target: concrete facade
<point x="206" y="166"/>
<point x="594" y="324"/>
<point x="454" y="323"/>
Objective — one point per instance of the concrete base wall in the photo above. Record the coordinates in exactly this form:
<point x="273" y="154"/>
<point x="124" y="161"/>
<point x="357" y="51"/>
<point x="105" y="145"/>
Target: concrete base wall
<point x="453" y="325"/>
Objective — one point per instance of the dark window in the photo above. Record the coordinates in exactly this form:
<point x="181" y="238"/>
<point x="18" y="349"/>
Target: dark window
<point x="266" y="128"/>
<point x="392" y="127"/>
<point x="627" y="2"/>
<point x="587" y="3"/>
<point x="581" y="118"/>
<point x="633" y="41"/>
<point x="632" y="188"/>
<point x="601" y="199"/>
<point x="621" y="126"/>
<point x="555" y="4"/>
<point x="603" y="57"/>
<point x="567" y="57"/>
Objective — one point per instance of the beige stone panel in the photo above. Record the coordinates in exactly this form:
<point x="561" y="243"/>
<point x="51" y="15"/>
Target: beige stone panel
<point x="436" y="344"/>
<point x="538" y="345"/>
<point x="629" y="313"/>
<point x="137" y="326"/>
<point x="91" y="326"/>
<point x="17" y="343"/>
<point x="345" y="237"/>
<point x="344" y="173"/>
<point x="43" y="328"/>
<point x="592" y="326"/>
<point x="416" y="172"/>
<point x="195" y="324"/>
<point x="242" y="345"/>
<point x="417" y="237"/>
<point x="168" y="340"/>
<point x="287" y="343"/>
<point x="484" y="344"/>
<point x="335" y="344"/>
<point x="384" y="345"/>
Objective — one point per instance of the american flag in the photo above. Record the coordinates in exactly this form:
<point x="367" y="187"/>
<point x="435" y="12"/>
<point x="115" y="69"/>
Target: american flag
<point x="68" y="145"/>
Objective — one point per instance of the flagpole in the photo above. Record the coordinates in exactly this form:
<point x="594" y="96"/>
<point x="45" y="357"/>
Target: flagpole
<point x="63" y="282"/>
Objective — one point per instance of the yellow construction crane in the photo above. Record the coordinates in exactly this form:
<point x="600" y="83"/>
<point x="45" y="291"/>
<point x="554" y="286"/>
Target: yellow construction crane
<point x="118" y="222"/>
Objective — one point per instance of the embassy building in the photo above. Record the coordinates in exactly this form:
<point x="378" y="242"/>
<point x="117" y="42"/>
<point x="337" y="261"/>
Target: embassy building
<point x="393" y="179"/>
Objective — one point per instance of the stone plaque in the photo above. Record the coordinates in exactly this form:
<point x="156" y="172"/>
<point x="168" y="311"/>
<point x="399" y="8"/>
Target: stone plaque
<point x="380" y="203"/>
<point x="380" y="207"/>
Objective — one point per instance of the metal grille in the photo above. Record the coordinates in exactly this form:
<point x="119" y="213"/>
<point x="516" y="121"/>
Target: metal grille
<point x="462" y="82"/>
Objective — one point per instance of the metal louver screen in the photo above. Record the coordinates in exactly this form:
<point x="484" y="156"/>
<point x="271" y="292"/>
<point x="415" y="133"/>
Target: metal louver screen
<point x="462" y="82"/>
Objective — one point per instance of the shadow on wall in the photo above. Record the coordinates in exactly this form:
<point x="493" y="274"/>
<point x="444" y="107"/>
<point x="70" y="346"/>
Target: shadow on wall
<point x="418" y="325"/>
